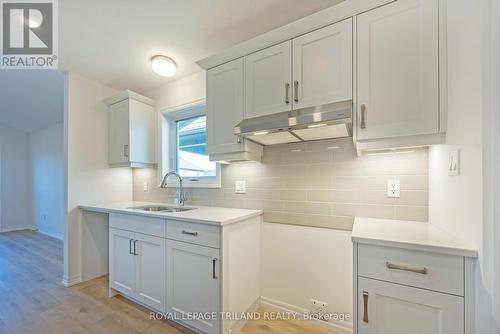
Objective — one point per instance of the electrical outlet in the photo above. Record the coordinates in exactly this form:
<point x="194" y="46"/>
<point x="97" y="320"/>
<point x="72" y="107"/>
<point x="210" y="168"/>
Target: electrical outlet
<point x="145" y="186"/>
<point x="319" y="304"/>
<point x="393" y="188"/>
<point x="240" y="186"/>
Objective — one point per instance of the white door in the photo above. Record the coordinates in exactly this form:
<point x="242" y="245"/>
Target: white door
<point x="387" y="308"/>
<point x="150" y="270"/>
<point x="119" y="133"/>
<point x="268" y="79"/>
<point x="193" y="283"/>
<point x="397" y="70"/>
<point x="121" y="261"/>
<point x="224" y="107"/>
<point x="322" y="66"/>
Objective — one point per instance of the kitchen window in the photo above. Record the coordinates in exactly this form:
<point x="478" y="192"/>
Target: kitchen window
<point x="184" y="147"/>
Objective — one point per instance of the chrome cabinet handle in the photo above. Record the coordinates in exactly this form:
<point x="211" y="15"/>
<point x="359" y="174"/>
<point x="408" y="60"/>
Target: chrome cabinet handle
<point x="135" y="248"/>
<point x="126" y="151"/>
<point x="214" y="275"/>
<point x="393" y="266"/>
<point x="365" y="307"/>
<point x="287" y="93"/>
<point x="194" y="234"/>
<point x="296" y="91"/>
<point x="130" y="246"/>
<point x="363" y="116"/>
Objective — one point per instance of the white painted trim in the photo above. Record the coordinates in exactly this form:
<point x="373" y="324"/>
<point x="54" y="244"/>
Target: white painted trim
<point x="328" y="16"/>
<point x="128" y="94"/>
<point x="24" y="228"/>
<point x="58" y="236"/>
<point x="239" y="324"/>
<point x="70" y="281"/>
<point x="341" y="327"/>
<point x="167" y="118"/>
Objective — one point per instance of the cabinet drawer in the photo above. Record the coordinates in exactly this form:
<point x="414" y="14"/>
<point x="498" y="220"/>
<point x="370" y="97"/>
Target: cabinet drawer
<point x="141" y="224"/>
<point x="200" y="234"/>
<point x="444" y="273"/>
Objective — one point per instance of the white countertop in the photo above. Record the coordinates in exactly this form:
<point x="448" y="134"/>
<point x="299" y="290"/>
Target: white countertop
<point x="202" y="214"/>
<point x="410" y="235"/>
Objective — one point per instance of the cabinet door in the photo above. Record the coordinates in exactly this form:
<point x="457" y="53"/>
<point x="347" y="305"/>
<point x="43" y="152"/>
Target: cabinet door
<point x="121" y="261"/>
<point x="193" y="284"/>
<point x="119" y="133"/>
<point x="322" y="66"/>
<point x="395" y="309"/>
<point x="397" y="72"/>
<point x="150" y="271"/>
<point x="224" y="107"/>
<point x="142" y="119"/>
<point x="268" y="78"/>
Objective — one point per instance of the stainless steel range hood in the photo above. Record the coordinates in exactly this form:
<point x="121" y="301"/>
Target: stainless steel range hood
<point x="333" y="120"/>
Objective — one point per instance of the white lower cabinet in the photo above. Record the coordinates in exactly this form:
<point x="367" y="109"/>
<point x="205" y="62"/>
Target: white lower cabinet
<point x="175" y="266"/>
<point x="137" y="267"/>
<point x="193" y="285"/>
<point x="150" y="271"/>
<point x="121" y="261"/>
<point x="388" y="308"/>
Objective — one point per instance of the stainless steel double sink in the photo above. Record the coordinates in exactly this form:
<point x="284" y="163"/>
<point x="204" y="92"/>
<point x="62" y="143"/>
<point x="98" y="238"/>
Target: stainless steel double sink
<point x="161" y="208"/>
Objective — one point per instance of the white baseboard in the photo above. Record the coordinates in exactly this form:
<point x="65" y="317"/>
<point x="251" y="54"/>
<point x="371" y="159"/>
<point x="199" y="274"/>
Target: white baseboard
<point x="341" y="327"/>
<point x="51" y="234"/>
<point x="70" y="281"/>
<point x="238" y="325"/>
<point x="25" y="228"/>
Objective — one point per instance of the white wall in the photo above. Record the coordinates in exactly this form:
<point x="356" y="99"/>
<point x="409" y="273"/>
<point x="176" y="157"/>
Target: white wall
<point x="179" y="92"/>
<point x="89" y="179"/>
<point x="14" y="192"/>
<point x="47" y="180"/>
<point x="463" y="205"/>
<point x="300" y="263"/>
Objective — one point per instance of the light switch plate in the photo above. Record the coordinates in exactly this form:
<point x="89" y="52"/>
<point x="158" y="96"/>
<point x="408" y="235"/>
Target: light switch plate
<point x="394" y="188"/>
<point x="454" y="162"/>
<point x="240" y="186"/>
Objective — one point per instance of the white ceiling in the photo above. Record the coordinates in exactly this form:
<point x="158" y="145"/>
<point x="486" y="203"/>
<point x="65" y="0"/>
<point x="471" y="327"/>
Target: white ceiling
<point x="112" y="41"/>
<point x="31" y="99"/>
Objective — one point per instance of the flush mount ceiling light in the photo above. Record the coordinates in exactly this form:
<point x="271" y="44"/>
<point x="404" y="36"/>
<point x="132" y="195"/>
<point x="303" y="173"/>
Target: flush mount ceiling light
<point x="163" y="66"/>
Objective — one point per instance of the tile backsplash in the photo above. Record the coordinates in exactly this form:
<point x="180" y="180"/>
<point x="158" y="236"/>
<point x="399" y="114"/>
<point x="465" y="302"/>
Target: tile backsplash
<point x="322" y="184"/>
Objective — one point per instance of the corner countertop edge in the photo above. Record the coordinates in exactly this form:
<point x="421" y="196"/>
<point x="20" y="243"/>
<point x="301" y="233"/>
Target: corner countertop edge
<point x="419" y="236"/>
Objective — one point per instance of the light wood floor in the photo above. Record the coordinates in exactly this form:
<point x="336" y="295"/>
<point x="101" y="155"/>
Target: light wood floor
<point x="32" y="300"/>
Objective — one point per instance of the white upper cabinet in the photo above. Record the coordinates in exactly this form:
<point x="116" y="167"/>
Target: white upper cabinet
<point x="322" y="66"/>
<point x="397" y="70"/>
<point x="310" y="70"/>
<point x="132" y="123"/>
<point x="268" y="80"/>
<point x="224" y="112"/>
<point x="224" y="106"/>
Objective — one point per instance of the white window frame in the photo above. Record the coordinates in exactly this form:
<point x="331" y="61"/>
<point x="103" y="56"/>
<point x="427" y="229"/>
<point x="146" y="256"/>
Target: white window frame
<point x="167" y="144"/>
